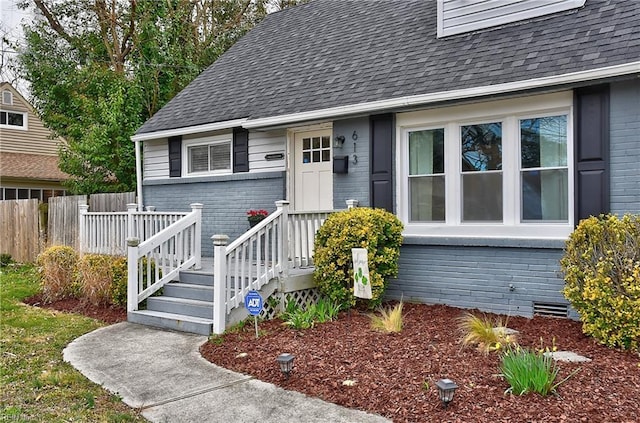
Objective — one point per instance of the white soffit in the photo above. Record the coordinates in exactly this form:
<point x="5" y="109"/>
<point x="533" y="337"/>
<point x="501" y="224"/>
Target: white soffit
<point x="216" y="126"/>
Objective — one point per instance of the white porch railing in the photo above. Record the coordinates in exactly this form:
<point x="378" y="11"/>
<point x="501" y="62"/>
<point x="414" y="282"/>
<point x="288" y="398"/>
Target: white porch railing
<point x="107" y="233"/>
<point x="280" y="242"/>
<point x="158" y="260"/>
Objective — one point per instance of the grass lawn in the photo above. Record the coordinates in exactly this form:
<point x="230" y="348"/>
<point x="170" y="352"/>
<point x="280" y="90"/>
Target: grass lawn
<point x="35" y="383"/>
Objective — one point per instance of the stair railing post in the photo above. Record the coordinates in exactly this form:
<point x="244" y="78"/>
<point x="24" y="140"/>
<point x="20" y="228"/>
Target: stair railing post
<point x="352" y="204"/>
<point x="131" y="233"/>
<point x="132" y="273"/>
<point x="219" y="282"/>
<point x="197" y="250"/>
<point x="82" y="227"/>
<point x="283" y="243"/>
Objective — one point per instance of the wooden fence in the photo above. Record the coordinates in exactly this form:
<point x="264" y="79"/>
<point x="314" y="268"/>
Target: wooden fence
<point x="111" y="202"/>
<point x="63" y="220"/>
<point x="64" y="214"/>
<point x="25" y="232"/>
<point x="20" y="233"/>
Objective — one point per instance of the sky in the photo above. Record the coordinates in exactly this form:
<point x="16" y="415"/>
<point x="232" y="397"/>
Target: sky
<point x="10" y="27"/>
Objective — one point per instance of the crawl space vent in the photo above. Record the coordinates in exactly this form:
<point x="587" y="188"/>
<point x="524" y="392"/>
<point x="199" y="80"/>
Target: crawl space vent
<point x="550" y="309"/>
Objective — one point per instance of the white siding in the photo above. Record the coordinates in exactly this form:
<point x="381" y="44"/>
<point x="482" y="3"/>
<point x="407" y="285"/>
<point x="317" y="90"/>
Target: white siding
<point x="458" y="16"/>
<point x="263" y="143"/>
<point x="156" y="153"/>
<point x="156" y="159"/>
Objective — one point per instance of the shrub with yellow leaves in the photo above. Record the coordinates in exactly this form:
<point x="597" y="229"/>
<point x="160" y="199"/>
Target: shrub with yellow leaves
<point x="377" y="230"/>
<point x="601" y="267"/>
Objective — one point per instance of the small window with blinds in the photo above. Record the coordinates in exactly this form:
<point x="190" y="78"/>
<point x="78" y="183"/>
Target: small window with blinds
<point x="210" y="157"/>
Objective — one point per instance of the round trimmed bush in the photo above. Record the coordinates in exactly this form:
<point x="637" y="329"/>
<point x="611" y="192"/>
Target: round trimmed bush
<point x="601" y="268"/>
<point x="377" y="230"/>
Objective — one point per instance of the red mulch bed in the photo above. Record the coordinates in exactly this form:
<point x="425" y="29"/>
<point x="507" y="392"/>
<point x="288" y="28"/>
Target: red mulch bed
<point x="107" y="314"/>
<point x="390" y="369"/>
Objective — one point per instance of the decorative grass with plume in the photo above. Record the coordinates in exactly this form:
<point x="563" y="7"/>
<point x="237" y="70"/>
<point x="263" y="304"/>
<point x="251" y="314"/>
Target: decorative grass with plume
<point x="389" y="320"/>
<point x="488" y="335"/>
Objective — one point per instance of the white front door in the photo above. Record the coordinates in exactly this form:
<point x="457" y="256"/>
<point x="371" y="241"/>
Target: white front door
<point x="313" y="171"/>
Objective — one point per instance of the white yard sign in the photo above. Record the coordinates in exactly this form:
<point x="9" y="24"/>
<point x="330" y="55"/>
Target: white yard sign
<point x="361" y="281"/>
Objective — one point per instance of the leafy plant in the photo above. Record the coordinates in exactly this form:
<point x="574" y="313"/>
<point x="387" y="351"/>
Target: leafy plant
<point x="323" y="311"/>
<point x="377" y="230"/>
<point x="5" y="259"/>
<point x="57" y="267"/>
<point x="601" y="266"/>
<point x="488" y="335"/>
<point x="389" y="320"/>
<point x="529" y="371"/>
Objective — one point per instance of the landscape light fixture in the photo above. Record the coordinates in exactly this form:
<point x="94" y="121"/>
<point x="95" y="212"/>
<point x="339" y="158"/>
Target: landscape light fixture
<point x="285" y="361"/>
<point x="446" y="388"/>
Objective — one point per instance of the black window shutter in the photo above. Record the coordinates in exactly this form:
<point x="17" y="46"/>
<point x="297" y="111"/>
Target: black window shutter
<point x="175" y="157"/>
<point x="591" y="151"/>
<point x="240" y="150"/>
<point x="382" y="161"/>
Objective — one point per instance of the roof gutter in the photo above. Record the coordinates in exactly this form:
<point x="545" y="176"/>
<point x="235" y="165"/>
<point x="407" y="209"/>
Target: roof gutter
<point x="422" y="99"/>
<point x="187" y="130"/>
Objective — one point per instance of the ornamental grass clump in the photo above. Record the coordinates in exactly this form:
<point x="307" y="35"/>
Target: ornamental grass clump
<point x="95" y="276"/>
<point x="389" y="321"/>
<point x="601" y="267"/>
<point x="57" y="269"/>
<point x="530" y="371"/>
<point x="377" y="230"/>
<point x="486" y="334"/>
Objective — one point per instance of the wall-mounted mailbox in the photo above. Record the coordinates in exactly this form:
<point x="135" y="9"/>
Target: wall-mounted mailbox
<point x="341" y="164"/>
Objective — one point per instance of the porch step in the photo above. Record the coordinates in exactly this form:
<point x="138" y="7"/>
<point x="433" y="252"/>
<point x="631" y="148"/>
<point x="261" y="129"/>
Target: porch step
<point x="188" y="291"/>
<point x="196" y="277"/>
<point x="172" y="321"/>
<point x="184" y="306"/>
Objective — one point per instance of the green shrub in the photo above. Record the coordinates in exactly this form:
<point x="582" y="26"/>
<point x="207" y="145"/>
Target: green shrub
<point x="377" y="230"/>
<point x="601" y="267"/>
<point x="57" y="267"/>
<point x="95" y="275"/>
<point x="118" y="289"/>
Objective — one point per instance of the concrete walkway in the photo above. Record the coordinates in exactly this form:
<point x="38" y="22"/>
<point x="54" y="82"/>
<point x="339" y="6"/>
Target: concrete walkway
<point x="163" y="374"/>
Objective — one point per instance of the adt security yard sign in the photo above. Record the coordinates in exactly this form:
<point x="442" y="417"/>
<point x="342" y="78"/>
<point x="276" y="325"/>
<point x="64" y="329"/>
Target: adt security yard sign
<point x="253" y="304"/>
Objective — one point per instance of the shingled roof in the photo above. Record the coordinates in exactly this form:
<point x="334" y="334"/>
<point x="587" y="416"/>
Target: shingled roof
<point x="330" y="53"/>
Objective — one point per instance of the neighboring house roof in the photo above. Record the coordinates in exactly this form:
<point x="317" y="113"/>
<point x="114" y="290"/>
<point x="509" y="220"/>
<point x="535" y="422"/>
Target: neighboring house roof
<point x="328" y="54"/>
<point x="30" y="166"/>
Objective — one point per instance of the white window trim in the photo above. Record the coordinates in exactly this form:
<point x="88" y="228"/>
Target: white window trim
<point x="25" y="121"/>
<point x="217" y="139"/>
<point x="509" y="112"/>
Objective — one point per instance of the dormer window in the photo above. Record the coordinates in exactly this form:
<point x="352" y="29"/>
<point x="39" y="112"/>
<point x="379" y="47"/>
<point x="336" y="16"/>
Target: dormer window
<point x="458" y="16"/>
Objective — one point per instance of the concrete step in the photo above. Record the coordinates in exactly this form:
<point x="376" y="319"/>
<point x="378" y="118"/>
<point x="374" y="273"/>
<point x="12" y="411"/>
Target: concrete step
<point x="188" y="307"/>
<point x="171" y="321"/>
<point x="188" y="291"/>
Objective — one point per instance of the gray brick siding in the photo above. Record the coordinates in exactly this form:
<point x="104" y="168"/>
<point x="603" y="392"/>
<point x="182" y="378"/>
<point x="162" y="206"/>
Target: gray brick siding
<point x="226" y="200"/>
<point x="625" y="147"/>
<point x="355" y="184"/>
<point x="479" y="277"/>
